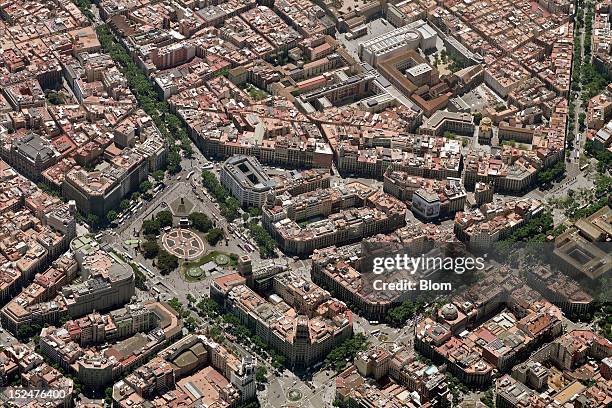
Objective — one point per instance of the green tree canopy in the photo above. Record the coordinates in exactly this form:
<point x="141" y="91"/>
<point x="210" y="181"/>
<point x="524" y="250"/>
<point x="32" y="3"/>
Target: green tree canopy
<point x="150" y="227"/>
<point x="111" y="215"/>
<point x="214" y="236"/>
<point x="150" y="249"/>
<point x="164" y="218"/>
<point x="166" y="262"/>
<point x="200" y="221"/>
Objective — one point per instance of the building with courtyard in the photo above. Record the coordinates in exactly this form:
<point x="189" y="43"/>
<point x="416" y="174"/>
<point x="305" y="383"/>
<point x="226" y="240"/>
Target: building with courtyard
<point x="246" y="179"/>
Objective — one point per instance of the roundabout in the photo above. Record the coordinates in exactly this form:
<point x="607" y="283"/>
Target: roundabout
<point x="183" y="243"/>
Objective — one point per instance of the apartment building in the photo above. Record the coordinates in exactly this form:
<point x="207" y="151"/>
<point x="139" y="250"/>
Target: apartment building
<point x="300" y="320"/>
<point x="480" y="228"/>
<point x="246" y="179"/>
<point x="30" y="155"/>
<point x="331" y="216"/>
<point x="460" y="123"/>
<point x="99" y="191"/>
<point x="427" y="198"/>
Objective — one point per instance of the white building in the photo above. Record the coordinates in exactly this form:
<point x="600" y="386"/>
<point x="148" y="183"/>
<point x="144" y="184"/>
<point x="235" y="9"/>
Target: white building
<point x="426" y="204"/>
<point x="389" y="44"/>
<point x="244" y="177"/>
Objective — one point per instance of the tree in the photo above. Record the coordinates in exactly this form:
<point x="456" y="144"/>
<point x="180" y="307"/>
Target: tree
<point x="488" y="398"/>
<point x="277" y="360"/>
<point x="150" y="227"/>
<point x="346" y="351"/>
<point x="581" y="120"/>
<point x="54" y="98"/>
<point x="111" y="215"/>
<point x="200" y="221"/>
<point x="158" y="175"/>
<point x="255" y="211"/>
<point x="229" y="209"/>
<point x="267" y="245"/>
<point x="93" y="220"/>
<point x="145" y="186"/>
<point x="176" y="305"/>
<point x="534" y="230"/>
<point x="186" y="147"/>
<point x="603" y="156"/>
<point x="164" y="218"/>
<point x="477" y="117"/>
<point x="139" y="278"/>
<point x="398" y="315"/>
<point x="191" y="324"/>
<point x="174" y="162"/>
<point x="261" y="374"/>
<point x="208" y="307"/>
<point x="135" y="196"/>
<point x="166" y="262"/>
<point x="210" y="183"/>
<point x="553" y="173"/>
<point x="25" y="331"/>
<point x="339" y="403"/>
<point x="150" y="249"/>
<point x="259" y="342"/>
<point x="108" y="396"/>
<point x="214" y="236"/>
<point x="124" y="205"/>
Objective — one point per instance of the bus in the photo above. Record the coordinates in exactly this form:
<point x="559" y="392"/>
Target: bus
<point x="583" y="167"/>
<point x="190" y="174"/>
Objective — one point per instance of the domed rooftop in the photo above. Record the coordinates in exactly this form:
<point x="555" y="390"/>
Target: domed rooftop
<point x="449" y="312"/>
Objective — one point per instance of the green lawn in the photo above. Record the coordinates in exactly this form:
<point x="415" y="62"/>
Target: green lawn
<point x="256" y="93"/>
<point x="186" y="266"/>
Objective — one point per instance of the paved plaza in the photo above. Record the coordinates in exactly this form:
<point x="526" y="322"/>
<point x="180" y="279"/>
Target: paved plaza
<point x="183" y="243"/>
